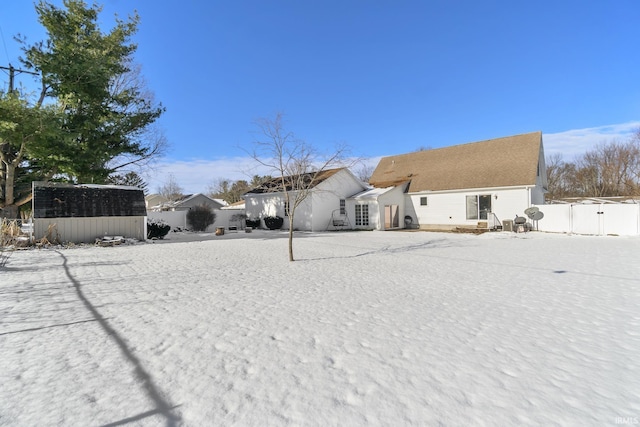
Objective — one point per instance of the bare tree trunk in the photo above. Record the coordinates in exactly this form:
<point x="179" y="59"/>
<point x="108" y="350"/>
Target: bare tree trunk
<point x="10" y="177"/>
<point x="291" y="237"/>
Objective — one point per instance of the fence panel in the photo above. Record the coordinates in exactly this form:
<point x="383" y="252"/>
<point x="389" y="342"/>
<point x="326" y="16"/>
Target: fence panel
<point x="595" y="219"/>
<point x="557" y="218"/>
<point x="178" y="219"/>
<point x="622" y="220"/>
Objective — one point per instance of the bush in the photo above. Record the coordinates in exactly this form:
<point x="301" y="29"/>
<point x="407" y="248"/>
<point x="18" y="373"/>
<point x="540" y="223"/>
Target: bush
<point x="200" y="217"/>
<point x="273" y="222"/>
<point x="157" y="229"/>
<point x="253" y="223"/>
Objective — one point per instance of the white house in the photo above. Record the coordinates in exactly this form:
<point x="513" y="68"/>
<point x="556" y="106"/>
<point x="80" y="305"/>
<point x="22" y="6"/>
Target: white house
<point x="475" y="185"/>
<point x="325" y="208"/>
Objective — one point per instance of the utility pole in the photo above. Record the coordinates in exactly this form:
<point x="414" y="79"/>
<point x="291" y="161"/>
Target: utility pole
<point x="8" y="165"/>
<point x="12" y="72"/>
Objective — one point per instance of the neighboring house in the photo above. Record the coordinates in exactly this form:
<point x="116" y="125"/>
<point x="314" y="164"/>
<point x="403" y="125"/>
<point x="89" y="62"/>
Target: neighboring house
<point x="221" y="201"/>
<point x="155" y="202"/>
<point x="475" y="185"/>
<point x="325" y="208"/>
<point x="197" y="199"/>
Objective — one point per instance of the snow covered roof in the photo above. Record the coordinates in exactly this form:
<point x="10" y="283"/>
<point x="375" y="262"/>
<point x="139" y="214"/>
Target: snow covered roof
<point x="594" y="200"/>
<point x="235" y="206"/>
<point x="372" y="193"/>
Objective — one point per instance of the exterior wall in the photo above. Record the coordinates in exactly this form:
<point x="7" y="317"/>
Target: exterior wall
<point x="154" y="200"/>
<point x="303" y="216"/>
<point x="374" y="213"/>
<point x="261" y="205"/>
<point x="258" y="206"/>
<point x="88" y="229"/>
<point x="392" y="197"/>
<point x="595" y="219"/>
<point x="537" y="196"/>
<point x="446" y="211"/>
<point x="326" y="198"/>
<point x="315" y="212"/>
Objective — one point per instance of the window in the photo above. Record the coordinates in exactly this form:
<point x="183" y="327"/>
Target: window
<point x="423" y="201"/>
<point x="362" y="215"/>
<point x="478" y="207"/>
<point x="286" y="208"/>
<point x="343" y="209"/>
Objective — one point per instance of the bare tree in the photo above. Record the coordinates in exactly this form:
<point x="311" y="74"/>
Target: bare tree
<point x="560" y="177"/>
<point x="296" y="166"/>
<point x="171" y="190"/>
<point x="364" y="172"/>
<point x="609" y="169"/>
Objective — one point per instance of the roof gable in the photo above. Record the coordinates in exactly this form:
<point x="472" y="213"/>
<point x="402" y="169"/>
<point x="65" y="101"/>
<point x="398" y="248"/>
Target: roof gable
<point x="501" y="162"/>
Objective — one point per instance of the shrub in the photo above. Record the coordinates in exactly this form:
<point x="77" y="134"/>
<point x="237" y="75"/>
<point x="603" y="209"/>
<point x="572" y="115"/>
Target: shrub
<point x="157" y="229"/>
<point x="11" y="234"/>
<point x="273" y="222"/>
<point x="253" y="223"/>
<point x="200" y="217"/>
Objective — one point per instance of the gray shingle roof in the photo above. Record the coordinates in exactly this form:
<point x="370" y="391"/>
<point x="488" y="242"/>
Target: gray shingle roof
<point x="500" y="162"/>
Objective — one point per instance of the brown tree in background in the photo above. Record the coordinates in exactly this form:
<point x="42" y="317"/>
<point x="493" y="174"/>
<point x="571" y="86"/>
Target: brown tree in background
<point x="608" y="170"/>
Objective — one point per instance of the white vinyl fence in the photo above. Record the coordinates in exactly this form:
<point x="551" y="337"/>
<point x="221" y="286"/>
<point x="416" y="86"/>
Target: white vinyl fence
<point x="178" y="219"/>
<point x="621" y="219"/>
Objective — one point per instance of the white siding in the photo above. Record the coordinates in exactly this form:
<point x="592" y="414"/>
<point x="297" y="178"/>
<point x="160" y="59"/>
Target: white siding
<point x="448" y="210"/>
<point x="393" y="197"/>
<point x="374" y="213"/>
<point x="327" y="196"/>
<point x="314" y="213"/>
<point x="87" y="230"/>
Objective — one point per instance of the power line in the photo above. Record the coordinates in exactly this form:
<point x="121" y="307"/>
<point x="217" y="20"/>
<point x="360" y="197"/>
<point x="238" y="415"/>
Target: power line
<point x="12" y="71"/>
<point x="4" y="44"/>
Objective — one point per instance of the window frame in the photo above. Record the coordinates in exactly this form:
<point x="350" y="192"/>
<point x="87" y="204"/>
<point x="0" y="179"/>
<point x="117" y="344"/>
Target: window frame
<point x="362" y="215"/>
<point x="473" y="205"/>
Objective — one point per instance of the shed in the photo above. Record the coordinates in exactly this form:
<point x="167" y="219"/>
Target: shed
<point x="83" y="213"/>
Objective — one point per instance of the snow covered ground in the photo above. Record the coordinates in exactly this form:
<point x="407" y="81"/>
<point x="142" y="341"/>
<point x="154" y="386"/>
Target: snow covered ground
<point x="366" y="328"/>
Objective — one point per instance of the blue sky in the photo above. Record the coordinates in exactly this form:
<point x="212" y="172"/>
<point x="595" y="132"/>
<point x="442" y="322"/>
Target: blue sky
<point x="384" y="77"/>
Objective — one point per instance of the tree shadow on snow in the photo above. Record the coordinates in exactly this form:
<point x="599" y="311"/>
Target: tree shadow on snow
<point x="162" y="407"/>
<point x="390" y="250"/>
